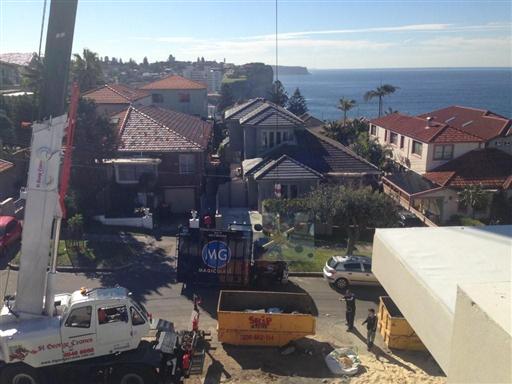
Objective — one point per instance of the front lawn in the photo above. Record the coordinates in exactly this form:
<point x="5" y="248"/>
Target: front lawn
<point x="311" y="257"/>
<point x="94" y="254"/>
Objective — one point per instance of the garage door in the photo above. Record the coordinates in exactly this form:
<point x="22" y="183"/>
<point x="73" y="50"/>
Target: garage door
<point x="181" y="200"/>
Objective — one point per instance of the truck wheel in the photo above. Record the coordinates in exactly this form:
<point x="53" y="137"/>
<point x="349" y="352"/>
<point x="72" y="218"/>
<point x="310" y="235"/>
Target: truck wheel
<point x="20" y="374"/>
<point x="341" y="284"/>
<point x="136" y="374"/>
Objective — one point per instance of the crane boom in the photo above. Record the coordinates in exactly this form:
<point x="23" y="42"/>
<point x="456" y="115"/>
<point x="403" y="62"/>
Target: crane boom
<point x="42" y="206"/>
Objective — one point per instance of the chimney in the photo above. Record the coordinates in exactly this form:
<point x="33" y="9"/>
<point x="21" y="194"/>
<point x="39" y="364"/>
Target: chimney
<point x="429" y="122"/>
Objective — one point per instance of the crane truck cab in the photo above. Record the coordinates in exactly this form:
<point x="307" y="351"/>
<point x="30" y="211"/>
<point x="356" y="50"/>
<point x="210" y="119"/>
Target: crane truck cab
<point x="99" y="322"/>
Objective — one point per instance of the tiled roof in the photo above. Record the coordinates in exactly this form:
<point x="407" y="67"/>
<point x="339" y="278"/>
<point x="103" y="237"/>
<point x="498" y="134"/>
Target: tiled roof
<point x="285" y="168"/>
<point x="477" y="122"/>
<point x="17" y="58"/>
<point x="154" y="129"/>
<point x="241" y="110"/>
<point x="490" y="168"/>
<point x="262" y="112"/>
<point x="5" y="165"/>
<point x="321" y="154"/>
<point x="270" y="114"/>
<point x="174" y="82"/>
<point x="418" y="128"/>
<point x="115" y="94"/>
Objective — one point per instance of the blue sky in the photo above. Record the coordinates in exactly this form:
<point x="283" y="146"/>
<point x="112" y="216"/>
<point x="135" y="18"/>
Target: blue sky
<point x="317" y="34"/>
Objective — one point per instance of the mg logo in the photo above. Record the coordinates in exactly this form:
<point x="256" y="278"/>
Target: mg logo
<point x="216" y="254"/>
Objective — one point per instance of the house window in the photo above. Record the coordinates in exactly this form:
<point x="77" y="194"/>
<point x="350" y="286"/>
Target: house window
<point x="385" y="135"/>
<point x="393" y="138"/>
<point x="157" y="98"/>
<point x="131" y="173"/>
<point x="373" y="130"/>
<point x="443" y="152"/>
<point x="402" y="141"/>
<point x="187" y="164"/>
<point x="184" y="97"/>
<point x="417" y="147"/>
<point x="289" y="191"/>
<point x="270" y="139"/>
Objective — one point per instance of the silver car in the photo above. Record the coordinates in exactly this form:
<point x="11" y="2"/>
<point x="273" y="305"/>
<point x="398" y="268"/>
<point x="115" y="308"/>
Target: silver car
<point x="342" y="271"/>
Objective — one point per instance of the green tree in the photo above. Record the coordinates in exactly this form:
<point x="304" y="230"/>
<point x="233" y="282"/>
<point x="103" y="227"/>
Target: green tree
<point x="171" y="59"/>
<point x="86" y="69"/>
<point x="346" y="105"/>
<point x="7" y="132"/>
<point x="94" y="141"/>
<point x="297" y="103"/>
<point x="380" y="93"/>
<point x="145" y="62"/>
<point x="278" y="94"/>
<point x="371" y="150"/>
<point x="333" y="130"/>
<point x="473" y="197"/>
<point x="75" y="230"/>
<point x="226" y="97"/>
<point x="353" y="209"/>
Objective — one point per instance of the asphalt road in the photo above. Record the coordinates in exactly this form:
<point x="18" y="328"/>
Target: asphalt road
<point x="167" y="299"/>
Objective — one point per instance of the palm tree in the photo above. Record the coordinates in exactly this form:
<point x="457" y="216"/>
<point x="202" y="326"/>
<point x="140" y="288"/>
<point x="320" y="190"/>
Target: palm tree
<point x="346" y="105"/>
<point x="473" y="197"/>
<point x="380" y="92"/>
<point x="86" y="70"/>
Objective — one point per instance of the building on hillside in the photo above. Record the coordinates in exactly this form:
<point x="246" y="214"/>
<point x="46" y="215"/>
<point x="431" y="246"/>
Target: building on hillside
<point x="113" y="98"/>
<point x="211" y="76"/>
<point x="275" y="155"/>
<point x="160" y="159"/>
<point x="442" y="152"/>
<point x="11" y="67"/>
<point x="179" y="94"/>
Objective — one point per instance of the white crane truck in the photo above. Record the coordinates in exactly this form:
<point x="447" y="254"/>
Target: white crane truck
<point x="88" y="336"/>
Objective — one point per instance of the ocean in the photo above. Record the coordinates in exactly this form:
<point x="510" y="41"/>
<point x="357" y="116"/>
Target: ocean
<point x="421" y="90"/>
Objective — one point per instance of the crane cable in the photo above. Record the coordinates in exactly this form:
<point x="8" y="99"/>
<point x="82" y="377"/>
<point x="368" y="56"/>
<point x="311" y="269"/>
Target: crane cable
<point x="42" y="30"/>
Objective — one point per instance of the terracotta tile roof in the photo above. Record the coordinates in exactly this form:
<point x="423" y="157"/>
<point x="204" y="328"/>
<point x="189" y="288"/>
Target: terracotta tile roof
<point x="477" y="122"/>
<point x="5" y="165"/>
<point x="174" y="82"/>
<point x="115" y="94"/>
<point x="490" y="167"/>
<point x="418" y="128"/>
<point x="154" y="129"/>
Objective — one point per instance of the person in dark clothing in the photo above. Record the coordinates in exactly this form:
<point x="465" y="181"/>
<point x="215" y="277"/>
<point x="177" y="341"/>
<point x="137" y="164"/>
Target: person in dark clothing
<point x="350" y="302"/>
<point x="371" y="326"/>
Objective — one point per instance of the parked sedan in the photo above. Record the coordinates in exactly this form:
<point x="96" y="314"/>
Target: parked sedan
<point x="342" y="271"/>
<point x="10" y="233"/>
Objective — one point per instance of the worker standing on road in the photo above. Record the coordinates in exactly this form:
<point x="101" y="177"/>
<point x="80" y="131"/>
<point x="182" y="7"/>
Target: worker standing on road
<point x="371" y="326"/>
<point x="350" y="314"/>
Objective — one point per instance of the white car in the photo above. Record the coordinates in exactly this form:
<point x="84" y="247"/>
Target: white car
<point x="342" y="271"/>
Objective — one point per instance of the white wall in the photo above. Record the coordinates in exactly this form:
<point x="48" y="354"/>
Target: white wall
<point x="425" y="162"/>
<point x="502" y="143"/>
<point x="481" y="349"/>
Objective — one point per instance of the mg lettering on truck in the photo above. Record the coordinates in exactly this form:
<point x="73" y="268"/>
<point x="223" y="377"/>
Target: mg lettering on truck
<point x="216" y="254"/>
